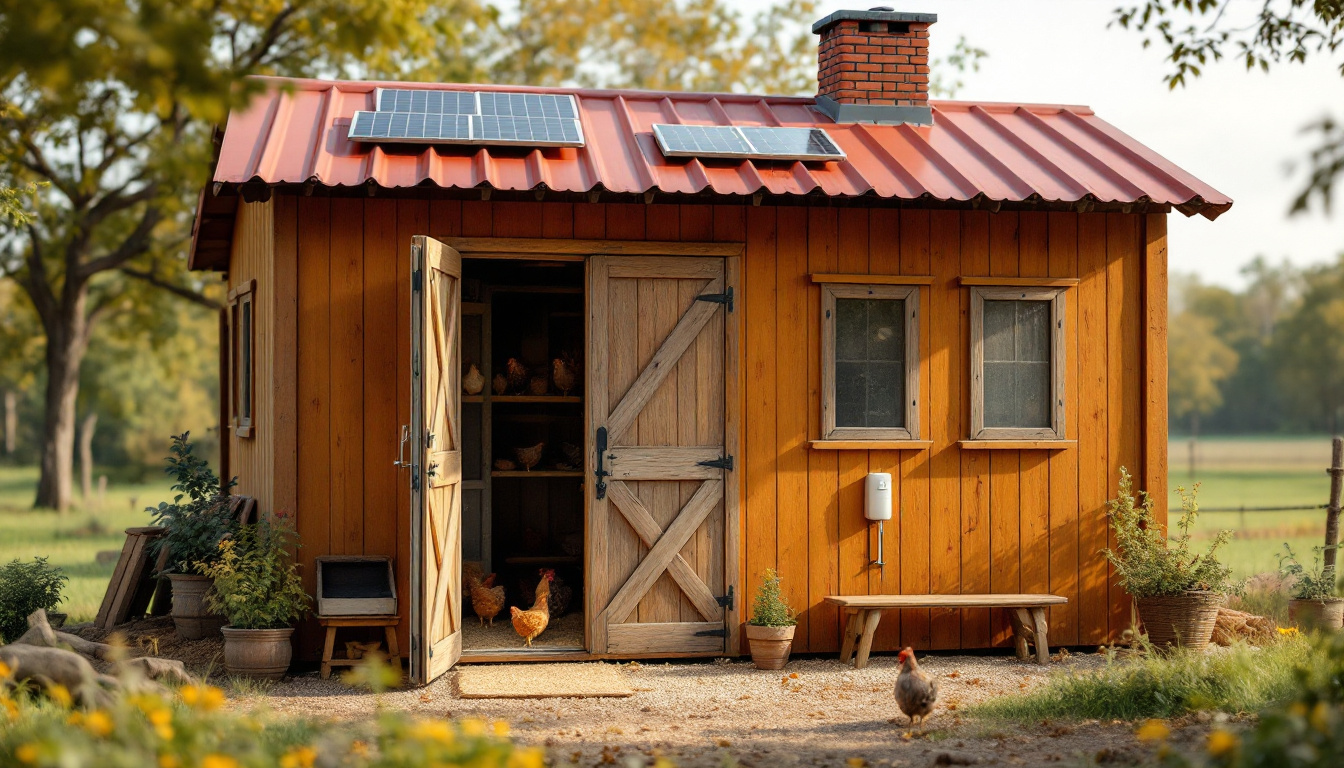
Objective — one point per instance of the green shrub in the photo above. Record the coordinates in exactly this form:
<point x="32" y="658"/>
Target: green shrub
<point x="199" y="517"/>
<point x="190" y="730"/>
<point x="770" y="609"/>
<point x="1240" y="679"/>
<point x="1314" y="584"/>
<point x="25" y="587"/>
<point x="256" y="583"/>
<point x="1147" y="563"/>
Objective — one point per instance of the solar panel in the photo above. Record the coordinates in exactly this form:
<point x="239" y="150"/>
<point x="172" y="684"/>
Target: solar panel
<point x="470" y="117"/>
<point x="753" y="142"/>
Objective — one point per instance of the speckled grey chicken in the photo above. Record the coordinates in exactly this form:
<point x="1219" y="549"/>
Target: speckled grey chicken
<point x="916" y="690"/>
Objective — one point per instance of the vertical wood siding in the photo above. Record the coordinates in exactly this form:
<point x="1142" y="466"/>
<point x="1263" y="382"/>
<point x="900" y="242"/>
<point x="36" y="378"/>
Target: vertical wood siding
<point x="968" y="520"/>
<point x="253" y="258"/>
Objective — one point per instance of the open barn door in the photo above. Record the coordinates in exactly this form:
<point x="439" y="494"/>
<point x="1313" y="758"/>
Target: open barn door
<point x="436" y="471"/>
<point x="662" y="492"/>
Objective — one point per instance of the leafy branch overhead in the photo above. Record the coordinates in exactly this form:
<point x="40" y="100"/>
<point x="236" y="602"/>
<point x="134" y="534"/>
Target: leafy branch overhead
<point x="1197" y="33"/>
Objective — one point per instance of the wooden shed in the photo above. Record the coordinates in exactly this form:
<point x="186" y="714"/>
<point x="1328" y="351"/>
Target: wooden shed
<point x="971" y="297"/>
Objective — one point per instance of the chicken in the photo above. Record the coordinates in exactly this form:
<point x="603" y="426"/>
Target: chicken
<point x="516" y="375"/>
<point x="916" y="691"/>
<point x="487" y="600"/>
<point x="563" y="374"/>
<point x="532" y="622"/>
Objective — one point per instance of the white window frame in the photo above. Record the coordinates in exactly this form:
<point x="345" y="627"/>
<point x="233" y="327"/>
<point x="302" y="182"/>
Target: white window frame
<point x="910" y="295"/>
<point x="1058" y="365"/>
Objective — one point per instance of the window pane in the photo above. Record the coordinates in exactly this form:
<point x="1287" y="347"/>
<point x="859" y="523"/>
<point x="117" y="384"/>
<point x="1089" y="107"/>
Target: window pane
<point x="1032" y="382"/>
<point x="851" y="394"/>
<point x="851" y="325"/>
<point x="245" y="367"/>
<point x="1000" y="395"/>
<point x="999" y="330"/>
<point x="1033" y="330"/>
<point x="870" y="363"/>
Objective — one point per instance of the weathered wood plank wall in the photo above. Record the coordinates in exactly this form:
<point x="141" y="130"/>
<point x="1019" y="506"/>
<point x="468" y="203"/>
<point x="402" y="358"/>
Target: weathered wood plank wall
<point x="253" y="258"/>
<point x="969" y="520"/>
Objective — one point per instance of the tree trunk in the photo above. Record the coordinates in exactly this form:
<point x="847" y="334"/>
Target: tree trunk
<point x="86" y="456"/>
<point x="11" y="422"/>
<point x="66" y="344"/>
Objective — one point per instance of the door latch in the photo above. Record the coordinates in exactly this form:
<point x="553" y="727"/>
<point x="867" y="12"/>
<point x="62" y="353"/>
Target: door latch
<point x="401" y="449"/>
<point x="601" y="474"/>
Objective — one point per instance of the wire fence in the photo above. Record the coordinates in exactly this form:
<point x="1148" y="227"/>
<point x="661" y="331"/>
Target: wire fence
<point x="1265" y="509"/>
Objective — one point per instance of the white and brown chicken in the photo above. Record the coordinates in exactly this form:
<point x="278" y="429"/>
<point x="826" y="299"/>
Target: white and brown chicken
<point x="916" y="690"/>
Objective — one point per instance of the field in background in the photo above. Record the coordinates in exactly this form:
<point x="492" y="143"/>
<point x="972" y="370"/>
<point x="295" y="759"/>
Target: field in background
<point x="1257" y="472"/>
<point x="73" y="540"/>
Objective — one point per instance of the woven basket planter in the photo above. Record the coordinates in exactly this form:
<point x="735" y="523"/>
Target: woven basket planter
<point x="1184" y="621"/>
<point x="1326" y="615"/>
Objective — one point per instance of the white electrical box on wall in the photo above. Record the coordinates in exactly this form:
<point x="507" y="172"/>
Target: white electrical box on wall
<point x="877" y="496"/>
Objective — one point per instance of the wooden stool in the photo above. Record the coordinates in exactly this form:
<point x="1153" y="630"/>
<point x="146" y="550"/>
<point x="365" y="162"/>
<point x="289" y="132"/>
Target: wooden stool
<point x="388" y="623"/>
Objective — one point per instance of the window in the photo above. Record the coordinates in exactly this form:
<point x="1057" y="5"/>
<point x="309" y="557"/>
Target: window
<point x="870" y="362"/>
<point x="241" y="380"/>
<point x="1017" y="363"/>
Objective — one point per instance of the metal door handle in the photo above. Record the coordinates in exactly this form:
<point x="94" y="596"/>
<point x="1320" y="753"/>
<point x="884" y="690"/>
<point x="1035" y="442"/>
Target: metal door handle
<point x="601" y="485"/>
<point x="401" y="449"/>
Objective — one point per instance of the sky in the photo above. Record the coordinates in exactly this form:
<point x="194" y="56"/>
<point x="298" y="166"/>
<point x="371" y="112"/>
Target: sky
<point x="1238" y="131"/>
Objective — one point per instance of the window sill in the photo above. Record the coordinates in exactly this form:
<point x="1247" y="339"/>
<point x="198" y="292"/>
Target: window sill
<point x="869" y="445"/>
<point x="1017" y="445"/>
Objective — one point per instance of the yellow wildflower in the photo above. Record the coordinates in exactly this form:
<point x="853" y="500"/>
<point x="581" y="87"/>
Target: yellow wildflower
<point x="1222" y="742"/>
<point x="218" y="761"/>
<point x="473" y="727"/>
<point x="1297" y="709"/>
<point x="75" y="718"/>
<point x="5" y="671"/>
<point x="1288" y="631"/>
<point x="856" y="762"/>
<point x="433" y="730"/>
<point x="11" y="708"/>
<point x="26" y="753"/>
<point x="501" y="728"/>
<point x="162" y="720"/>
<point x="205" y="697"/>
<point x="169" y="761"/>
<point x="1154" y="730"/>
<point x="1320" y="717"/>
<point x="526" y="758"/>
<point x="360" y="748"/>
<point x="299" y="757"/>
<point x="98" y="723"/>
<point x="60" y="694"/>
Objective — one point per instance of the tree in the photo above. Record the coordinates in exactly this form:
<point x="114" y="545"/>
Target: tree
<point x="1309" y="348"/>
<point x="1281" y="31"/>
<point x="1199" y="363"/>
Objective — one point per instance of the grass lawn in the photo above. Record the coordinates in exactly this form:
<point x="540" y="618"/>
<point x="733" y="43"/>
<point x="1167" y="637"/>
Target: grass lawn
<point x="72" y="541"/>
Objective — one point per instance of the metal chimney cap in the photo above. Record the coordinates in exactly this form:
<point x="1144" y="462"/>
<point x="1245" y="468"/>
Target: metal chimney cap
<point x="881" y="13"/>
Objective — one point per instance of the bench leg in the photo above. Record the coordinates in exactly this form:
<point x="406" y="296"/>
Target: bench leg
<point x="327" y="648"/>
<point x="866" y="642"/>
<point x="393" y="653"/>
<point x="852" y="628"/>
<point x="1041" y="630"/>
<point x="1020" y="621"/>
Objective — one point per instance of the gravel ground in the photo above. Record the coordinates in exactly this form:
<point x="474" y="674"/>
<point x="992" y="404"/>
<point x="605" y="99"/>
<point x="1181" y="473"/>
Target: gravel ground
<point x="815" y="712"/>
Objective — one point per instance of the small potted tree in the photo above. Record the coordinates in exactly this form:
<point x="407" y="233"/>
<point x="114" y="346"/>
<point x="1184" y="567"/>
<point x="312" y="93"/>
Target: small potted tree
<point x="770" y="629"/>
<point x="194" y="524"/>
<point x="1178" y="592"/>
<point x="24" y="588"/>
<point x="258" y="589"/>
<point x="1314" y="601"/>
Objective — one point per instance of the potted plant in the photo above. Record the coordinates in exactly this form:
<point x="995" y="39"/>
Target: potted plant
<point x="24" y="588"/>
<point x="194" y="524"/>
<point x="1178" y="593"/>
<point x="770" y="629"/>
<point x="258" y="589"/>
<point x="1314" y="603"/>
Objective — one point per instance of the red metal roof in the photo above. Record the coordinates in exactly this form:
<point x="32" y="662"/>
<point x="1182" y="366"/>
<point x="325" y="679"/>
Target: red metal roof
<point x="295" y="133"/>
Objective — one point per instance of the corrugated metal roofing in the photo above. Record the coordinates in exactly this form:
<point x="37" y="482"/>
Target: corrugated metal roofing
<point x="295" y="133"/>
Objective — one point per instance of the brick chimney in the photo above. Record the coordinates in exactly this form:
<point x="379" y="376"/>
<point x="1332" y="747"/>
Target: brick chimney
<point x="873" y="66"/>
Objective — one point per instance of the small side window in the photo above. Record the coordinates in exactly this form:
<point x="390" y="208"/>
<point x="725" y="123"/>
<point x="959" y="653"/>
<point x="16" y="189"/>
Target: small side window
<point x="241" y="357"/>
<point x="870" y="362"/>
<point x="1017" y="363"/>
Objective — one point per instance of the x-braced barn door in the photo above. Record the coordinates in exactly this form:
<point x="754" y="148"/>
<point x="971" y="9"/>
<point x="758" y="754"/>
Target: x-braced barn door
<point x="436" y="473"/>
<point x="662" y="507"/>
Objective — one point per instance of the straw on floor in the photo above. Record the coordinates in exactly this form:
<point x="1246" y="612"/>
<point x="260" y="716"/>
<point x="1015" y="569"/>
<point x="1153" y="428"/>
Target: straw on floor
<point x="541" y="681"/>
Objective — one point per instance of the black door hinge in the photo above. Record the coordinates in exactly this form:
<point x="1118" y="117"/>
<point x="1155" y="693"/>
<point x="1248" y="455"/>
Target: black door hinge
<point x="415" y="477"/>
<point x="712" y="633"/>
<point x="416" y="281"/>
<point x="724" y="463"/>
<point x="725" y="298"/>
<point x="726" y="601"/>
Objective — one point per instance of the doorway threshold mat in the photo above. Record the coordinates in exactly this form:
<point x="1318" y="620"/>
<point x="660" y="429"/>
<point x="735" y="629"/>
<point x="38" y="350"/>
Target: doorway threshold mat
<point x="542" y="681"/>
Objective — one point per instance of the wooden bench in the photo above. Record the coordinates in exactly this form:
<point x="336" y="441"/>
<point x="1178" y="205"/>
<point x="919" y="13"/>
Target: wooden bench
<point x="1026" y="612"/>
<point x="332" y="623"/>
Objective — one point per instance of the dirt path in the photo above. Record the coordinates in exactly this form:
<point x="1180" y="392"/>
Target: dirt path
<point x="699" y="713"/>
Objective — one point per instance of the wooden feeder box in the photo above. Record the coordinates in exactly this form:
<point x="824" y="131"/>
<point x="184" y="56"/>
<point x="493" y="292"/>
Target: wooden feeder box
<point x="352" y="585"/>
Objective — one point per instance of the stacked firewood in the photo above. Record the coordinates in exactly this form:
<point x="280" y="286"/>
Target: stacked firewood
<point x="1232" y="626"/>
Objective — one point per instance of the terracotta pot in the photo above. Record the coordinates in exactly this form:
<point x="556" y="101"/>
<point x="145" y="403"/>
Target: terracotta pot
<point x="192" y="619"/>
<point x="261" y="653"/>
<point x="1326" y="615"/>
<point x="770" y="646"/>
<point x="1185" y="620"/>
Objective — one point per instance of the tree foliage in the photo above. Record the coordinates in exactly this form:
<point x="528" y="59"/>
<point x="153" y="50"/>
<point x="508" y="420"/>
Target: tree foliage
<point x="1309" y="346"/>
<point x="1200" y="361"/>
<point x="1197" y="32"/>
